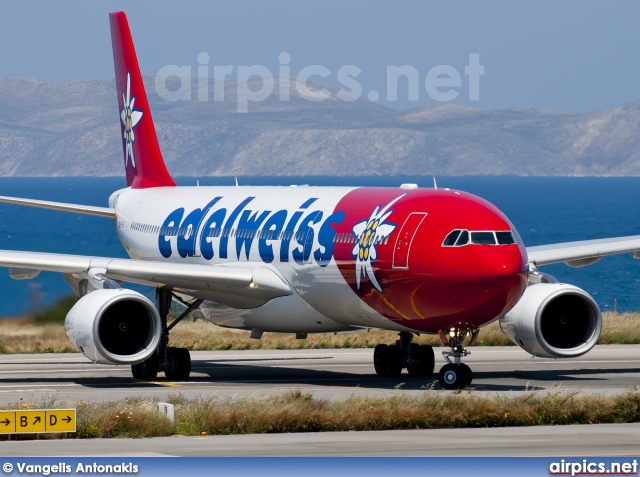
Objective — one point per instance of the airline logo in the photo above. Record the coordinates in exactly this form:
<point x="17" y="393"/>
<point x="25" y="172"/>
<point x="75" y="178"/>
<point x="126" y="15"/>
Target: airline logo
<point x="130" y="118"/>
<point x="370" y="233"/>
<point x="303" y="236"/>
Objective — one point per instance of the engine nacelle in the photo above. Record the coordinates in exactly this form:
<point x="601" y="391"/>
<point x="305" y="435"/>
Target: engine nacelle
<point x="554" y="320"/>
<point x="114" y="326"/>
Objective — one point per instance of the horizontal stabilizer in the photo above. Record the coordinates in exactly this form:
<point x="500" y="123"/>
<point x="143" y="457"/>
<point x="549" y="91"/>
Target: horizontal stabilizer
<point x="45" y="204"/>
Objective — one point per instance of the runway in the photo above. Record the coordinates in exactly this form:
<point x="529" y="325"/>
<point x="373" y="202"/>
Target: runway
<point x="332" y="374"/>
<point x="548" y="441"/>
<point x="328" y="374"/>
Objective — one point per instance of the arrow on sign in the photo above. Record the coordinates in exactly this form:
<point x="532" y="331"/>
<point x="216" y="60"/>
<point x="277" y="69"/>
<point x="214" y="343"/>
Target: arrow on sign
<point x="68" y="419"/>
<point x="37" y="420"/>
<point x="6" y="422"/>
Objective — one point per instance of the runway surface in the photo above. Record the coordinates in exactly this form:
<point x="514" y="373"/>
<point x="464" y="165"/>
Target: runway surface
<point x="560" y="441"/>
<point x="332" y="374"/>
<point x="328" y="374"/>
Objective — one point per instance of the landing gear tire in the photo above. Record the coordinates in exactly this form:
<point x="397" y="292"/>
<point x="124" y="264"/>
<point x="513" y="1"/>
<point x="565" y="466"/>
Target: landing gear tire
<point x="395" y="360"/>
<point x="147" y="370"/>
<point x="387" y="360"/>
<point x="452" y="376"/>
<point x="468" y="374"/>
<point x="380" y="359"/>
<point x="425" y="360"/>
<point x="455" y="376"/>
<point x="180" y="360"/>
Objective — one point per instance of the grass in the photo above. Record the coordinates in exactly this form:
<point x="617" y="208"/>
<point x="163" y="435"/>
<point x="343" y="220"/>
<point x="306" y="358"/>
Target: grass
<point x="28" y="336"/>
<point x="300" y="412"/>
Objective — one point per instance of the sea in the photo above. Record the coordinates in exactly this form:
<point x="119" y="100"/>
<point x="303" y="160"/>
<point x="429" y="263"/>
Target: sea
<point x="545" y="210"/>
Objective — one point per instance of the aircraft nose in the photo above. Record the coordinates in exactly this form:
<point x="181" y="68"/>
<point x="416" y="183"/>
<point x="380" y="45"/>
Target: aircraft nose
<point x="514" y="260"/>
<point x="503" y="261"/>
<point x="505" y="268"/>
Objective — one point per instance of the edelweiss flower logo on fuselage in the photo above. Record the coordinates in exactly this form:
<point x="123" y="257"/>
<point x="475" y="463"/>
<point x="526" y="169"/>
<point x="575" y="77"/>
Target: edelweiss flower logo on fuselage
<point x="370" y="233"/>
<point x="130" y="118"/>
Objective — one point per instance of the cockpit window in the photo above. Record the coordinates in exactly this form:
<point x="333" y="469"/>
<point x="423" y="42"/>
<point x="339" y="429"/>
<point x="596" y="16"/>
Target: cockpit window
<point x="505" y="238"/>
<point x="450" y="240"/>
<point x="483" y="238"/>
<point x="460" y="237"/>
<point x="463" y="239"/>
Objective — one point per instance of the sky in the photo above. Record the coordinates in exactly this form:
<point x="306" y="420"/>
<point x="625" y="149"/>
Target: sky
<point x="572" y="56"/>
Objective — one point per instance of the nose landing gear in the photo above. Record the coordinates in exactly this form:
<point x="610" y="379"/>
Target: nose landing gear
<point x="455" y="374"/>
<point x="389" y="360"/>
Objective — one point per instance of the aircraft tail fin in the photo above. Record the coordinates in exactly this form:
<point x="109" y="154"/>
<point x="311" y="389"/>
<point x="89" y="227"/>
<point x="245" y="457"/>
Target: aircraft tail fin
<point x="142" y="157"/>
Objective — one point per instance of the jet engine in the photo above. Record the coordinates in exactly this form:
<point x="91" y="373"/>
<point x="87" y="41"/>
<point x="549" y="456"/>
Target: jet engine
<point x="114" y="326"/>
<point x="554" y="320"/>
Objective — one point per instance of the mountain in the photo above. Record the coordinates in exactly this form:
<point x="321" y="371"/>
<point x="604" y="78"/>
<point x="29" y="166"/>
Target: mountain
<point x="63" y="129"/>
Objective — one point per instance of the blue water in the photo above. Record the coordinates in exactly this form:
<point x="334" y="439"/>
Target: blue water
<point x="544" y="210"/>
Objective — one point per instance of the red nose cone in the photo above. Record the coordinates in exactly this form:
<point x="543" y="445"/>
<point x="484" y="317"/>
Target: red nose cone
<point x="427" y="286"/>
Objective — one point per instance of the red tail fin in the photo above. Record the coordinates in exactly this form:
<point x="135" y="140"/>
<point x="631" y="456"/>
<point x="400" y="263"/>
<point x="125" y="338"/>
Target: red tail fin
<point x="142" y="158"/>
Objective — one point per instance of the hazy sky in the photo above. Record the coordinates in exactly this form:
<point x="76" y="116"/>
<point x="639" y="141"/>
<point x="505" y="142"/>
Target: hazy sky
<point x="573" y="56"/>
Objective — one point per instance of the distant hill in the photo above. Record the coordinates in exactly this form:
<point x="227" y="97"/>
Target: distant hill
<point x="62" y="129"/>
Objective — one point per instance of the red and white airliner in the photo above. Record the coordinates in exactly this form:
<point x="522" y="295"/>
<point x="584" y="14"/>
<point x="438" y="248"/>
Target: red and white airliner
<point x="308" y="260"/>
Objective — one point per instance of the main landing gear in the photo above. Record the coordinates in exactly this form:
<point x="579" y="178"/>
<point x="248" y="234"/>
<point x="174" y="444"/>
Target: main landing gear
<point x="175" y="362"/>
<point x="389" y="360"/>
<point x="455" y="374"/>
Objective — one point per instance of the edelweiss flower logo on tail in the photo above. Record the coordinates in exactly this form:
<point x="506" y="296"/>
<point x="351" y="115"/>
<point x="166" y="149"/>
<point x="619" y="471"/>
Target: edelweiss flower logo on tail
<point x="130" y="118"/>
<point x="365" y="250"/>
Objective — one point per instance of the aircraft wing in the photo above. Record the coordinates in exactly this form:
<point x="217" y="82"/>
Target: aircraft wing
<point x="241" y="285"/>
<point x="583" y="253"/>
<point x="62" y="206"/>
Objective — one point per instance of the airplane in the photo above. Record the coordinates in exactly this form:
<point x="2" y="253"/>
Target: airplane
<point x="308" y="260"/>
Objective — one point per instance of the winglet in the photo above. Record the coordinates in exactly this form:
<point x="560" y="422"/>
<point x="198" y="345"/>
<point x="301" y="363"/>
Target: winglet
<point x="142" y="158"/>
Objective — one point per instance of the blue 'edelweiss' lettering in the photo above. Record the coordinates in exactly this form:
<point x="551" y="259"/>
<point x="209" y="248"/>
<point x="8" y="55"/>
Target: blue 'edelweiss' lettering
<point x="228" y="226"/>
<point x="169" y="229"/>
<point x="249" y="224"/>
<point x="190" y="226"/>
<point x="201" y="226"/>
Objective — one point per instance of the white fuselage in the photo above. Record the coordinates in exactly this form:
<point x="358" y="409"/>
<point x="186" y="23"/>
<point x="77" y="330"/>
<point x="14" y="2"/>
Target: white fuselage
<point x="280" y="228"/>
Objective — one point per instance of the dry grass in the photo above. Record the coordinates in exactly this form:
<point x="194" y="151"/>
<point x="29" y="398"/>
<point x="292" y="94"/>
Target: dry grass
<point x="620" y="328"/>
<point x="23" y="336"/>
<point x="300" y="412"/>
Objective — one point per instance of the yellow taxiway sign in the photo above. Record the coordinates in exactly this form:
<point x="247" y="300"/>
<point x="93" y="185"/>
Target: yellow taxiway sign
<point x="37" y="421"/>
<point x="29" y="422"/>
<point x="7" y="422"/>
<point x="61" y="420"/>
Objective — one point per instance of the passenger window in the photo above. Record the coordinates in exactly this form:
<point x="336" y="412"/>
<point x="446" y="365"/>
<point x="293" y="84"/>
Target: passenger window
<point x="483" y="238"/>
<point x="505" y="238"/>
<point x="450" y="240"/>
<point x="463" y="239"/>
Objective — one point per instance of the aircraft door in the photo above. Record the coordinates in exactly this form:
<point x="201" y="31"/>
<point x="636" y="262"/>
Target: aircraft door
<point x="405" y="239"/>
